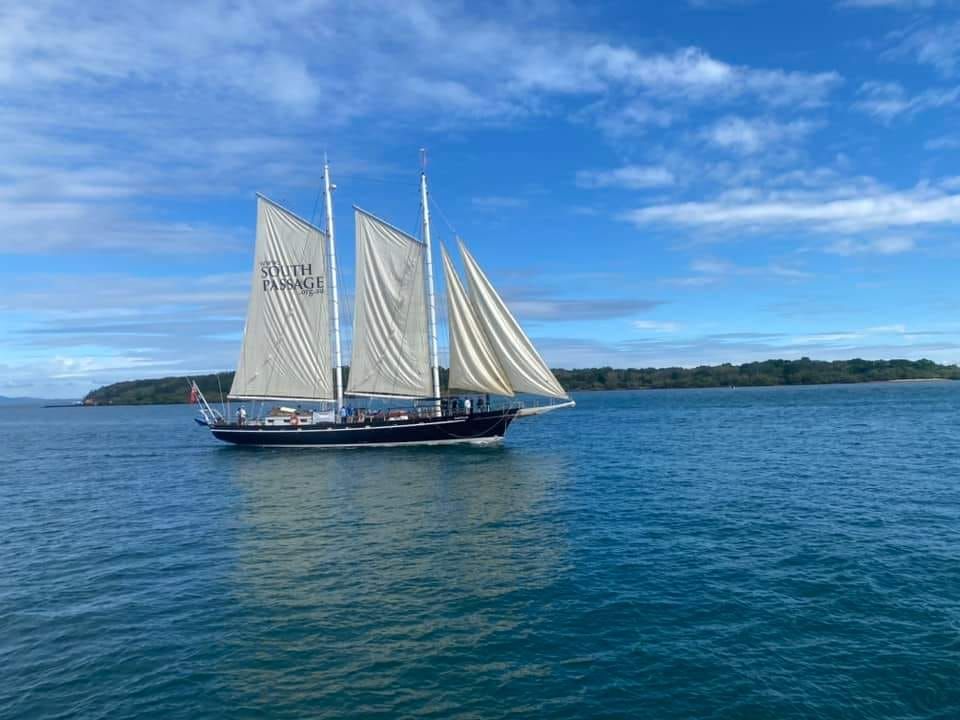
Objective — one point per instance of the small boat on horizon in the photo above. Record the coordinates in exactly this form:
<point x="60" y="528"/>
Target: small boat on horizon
<point x="291" y="350"/>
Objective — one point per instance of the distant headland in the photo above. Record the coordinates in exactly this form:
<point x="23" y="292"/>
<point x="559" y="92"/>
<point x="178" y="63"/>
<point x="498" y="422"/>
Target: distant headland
<point x="173" y="390"/>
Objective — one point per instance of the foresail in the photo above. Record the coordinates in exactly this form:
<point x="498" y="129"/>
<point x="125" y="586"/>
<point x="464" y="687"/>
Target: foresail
<point x="473" y="362"/>
<point x="525" y="369"/>
<point x="286" y="340"/>
<point x="390" y="356"/>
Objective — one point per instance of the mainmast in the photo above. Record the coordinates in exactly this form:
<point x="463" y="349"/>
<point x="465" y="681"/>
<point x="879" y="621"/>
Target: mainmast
<point x="431" y="302"/>
<point x="338" y="361"/>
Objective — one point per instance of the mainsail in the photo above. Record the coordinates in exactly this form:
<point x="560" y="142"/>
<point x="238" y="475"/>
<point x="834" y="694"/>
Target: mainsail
<point x="286" y="341"/>
<point x="521" y="363"/>
<point x="473" y="362"/>
<point x="390" y="355"/>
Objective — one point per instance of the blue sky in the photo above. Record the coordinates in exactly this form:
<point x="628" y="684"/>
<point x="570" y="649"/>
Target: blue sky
<point x="648" y="183"/>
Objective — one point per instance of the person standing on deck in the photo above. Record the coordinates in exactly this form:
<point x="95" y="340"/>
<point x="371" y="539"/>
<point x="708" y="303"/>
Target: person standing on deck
<point x="241" y="416"/>
<point x="343" y="414"/>
<point x="468" y="406"/>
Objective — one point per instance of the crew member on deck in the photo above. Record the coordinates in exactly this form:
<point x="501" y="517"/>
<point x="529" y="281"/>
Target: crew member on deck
<point x="468" y="406"/>
<point x="343" y="414"/>
<point x="241" y="416"/>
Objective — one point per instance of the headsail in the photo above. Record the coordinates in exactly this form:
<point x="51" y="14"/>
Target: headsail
<point x="390" y="355"/>
<point x="286" y="341"/>
<point x="521" y="362"/>
<point x="473" y="362"/>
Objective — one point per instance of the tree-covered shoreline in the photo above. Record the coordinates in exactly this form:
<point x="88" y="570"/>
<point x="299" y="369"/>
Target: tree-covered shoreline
<point x="173" y="390"/>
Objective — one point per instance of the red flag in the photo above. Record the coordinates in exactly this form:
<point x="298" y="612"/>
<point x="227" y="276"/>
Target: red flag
<point x="193" y="394"/>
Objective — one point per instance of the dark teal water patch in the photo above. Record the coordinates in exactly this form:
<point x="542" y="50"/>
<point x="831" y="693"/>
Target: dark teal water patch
<point x="786" y="552"/>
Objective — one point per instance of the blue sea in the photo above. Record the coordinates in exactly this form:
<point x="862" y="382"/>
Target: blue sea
<point x="729" y="553"/>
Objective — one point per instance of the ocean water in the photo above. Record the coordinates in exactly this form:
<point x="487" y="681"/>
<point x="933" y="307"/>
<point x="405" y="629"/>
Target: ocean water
<point x="748" y="553"/>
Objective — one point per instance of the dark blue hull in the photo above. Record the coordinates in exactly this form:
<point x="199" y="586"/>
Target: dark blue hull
<point x="479" y="429"/>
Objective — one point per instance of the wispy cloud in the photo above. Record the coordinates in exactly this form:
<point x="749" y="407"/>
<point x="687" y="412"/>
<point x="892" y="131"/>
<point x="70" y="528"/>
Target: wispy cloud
<point x="545" y="309"/>
<point x="634" y="177"/>
<point x="936" y="45"/>
<point x="749" y="136"/>
<point x="656" y="326"/>
<point x="105" y="111"/>
<point x="499" y="202"/>
<point x="665" y="350"/>
<point x="893" y="4"/>
<point x="711" y="271"/>
<point x="828" y="210"/>
<point x="886" y="101"/>
<point x="944" y="142"/>
<point x="877" y="246"/>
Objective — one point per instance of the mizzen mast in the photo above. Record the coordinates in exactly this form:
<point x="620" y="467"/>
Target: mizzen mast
<point x="337" y="359"/>
<point x="431" y="301"/>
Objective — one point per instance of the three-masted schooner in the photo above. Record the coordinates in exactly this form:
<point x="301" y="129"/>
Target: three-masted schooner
<point x="291" y="350"/>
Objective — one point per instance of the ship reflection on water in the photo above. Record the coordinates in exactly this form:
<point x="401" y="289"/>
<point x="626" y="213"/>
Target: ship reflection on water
<point x="386" y="561"/>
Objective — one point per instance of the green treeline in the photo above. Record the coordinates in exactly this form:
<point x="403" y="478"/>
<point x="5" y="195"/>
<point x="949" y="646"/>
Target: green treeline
<point x="159" y="391"/>
<point x="769" y="372"/>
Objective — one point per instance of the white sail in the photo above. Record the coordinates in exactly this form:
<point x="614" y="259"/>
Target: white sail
<point x="286" y="340"/>
<point x="525" y="369"/>
<point x="390" y="355"/>
<point x="473" y="363"/>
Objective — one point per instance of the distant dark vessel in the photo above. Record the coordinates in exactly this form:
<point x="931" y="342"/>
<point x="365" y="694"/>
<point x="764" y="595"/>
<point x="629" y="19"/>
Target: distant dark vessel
<point x="291" y="343"/>
<point x="75" y="403"/>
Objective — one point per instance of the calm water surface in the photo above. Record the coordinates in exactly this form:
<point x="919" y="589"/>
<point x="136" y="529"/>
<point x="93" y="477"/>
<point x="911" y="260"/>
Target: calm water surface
<point x="781" y="553"/>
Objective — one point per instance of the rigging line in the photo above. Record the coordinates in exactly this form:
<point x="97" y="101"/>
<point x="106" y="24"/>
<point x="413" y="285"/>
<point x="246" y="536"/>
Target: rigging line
<point x="220" y="388"/>
<point x="313" y="213"/>
<point x="450" y="227"/>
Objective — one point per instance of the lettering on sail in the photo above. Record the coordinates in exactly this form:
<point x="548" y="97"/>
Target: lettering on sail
<point x="298" y="278"/>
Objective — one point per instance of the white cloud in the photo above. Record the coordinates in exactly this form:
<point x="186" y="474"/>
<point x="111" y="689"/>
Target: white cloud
<point x="710" y="271"/>
<point x="712" y="267"/>
<point x="936" y="45"/>
<point x="885" y="100"/>
<point x="546" y="309"/>
<point x="468" y="59"/>
<point x="692" y="74"/>
<point x="85" y="366"/>
<point x="877" y="246"/>
<point x="894" y="4"/>
<point x="656" y="326"/>
<point x="43" y="227"/>
<point x="64" y="335"/>
<point x="749" y="136"/>
<point x="740" y="347"/>
<point x="944" y="142"/>
<point x="632" y="118"/>
<point x="831" y="210"/>
<point x="634" y="177"/>
<point x="103" y="112"/>
<point x="498" y="202"/>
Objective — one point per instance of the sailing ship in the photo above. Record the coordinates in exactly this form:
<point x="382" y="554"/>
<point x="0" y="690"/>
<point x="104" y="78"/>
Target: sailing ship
<point x="291" y="350"/>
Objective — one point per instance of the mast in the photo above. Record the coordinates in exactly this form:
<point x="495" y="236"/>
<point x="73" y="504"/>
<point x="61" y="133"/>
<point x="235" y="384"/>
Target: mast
<point x="338" y="361"/>
<point x="431" y="302"/>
